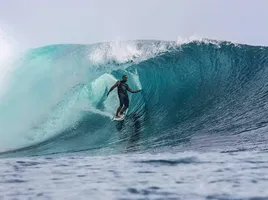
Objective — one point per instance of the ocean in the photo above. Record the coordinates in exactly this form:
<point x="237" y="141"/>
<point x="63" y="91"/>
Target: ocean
<point x="197" y="130"/>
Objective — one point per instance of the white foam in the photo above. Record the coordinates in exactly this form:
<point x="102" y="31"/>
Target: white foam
<point x="120" y="52"/>
<point x="195" y="38"/>
<point x="124" y="52"/>
<point x="185" y="40"/>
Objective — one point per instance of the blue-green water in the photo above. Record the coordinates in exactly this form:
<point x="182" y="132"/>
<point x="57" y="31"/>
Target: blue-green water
<point x="196" y="131"/>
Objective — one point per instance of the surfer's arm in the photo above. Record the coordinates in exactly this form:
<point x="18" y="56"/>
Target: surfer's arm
<point x="133" y="91"/>
<point x="114" y="86"/>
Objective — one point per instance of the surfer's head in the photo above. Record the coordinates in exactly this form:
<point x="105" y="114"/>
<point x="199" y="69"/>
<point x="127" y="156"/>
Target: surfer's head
<point x="124" y="78"/>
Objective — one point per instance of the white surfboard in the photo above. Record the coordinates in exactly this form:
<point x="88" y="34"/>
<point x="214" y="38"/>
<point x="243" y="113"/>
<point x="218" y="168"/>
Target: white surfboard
<point x="122" y="117"/>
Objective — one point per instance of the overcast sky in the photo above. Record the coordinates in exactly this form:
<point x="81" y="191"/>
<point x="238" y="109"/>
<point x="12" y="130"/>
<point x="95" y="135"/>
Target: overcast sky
<point x="35" y="23"/>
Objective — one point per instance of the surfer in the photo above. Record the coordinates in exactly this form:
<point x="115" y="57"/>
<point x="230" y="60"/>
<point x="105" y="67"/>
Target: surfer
<point x="122" y="88"/>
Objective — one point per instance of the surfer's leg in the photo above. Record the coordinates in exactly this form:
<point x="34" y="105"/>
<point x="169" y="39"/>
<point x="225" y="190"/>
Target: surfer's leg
<point x="118" y="110"/>
<point x="121" y="100"/>
<point x="123" y="110"/>
<point x="126" y="104"/>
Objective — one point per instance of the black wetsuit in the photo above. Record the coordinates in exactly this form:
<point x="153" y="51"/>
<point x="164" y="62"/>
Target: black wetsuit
<point x="122" y="94"/>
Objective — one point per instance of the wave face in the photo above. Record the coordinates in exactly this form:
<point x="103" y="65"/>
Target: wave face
<point x="195" y="95"/>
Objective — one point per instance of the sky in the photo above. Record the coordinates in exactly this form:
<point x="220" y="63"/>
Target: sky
<point x="35" y="23"/>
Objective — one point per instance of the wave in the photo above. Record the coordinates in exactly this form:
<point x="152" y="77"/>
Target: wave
<point x="209" y="91"/>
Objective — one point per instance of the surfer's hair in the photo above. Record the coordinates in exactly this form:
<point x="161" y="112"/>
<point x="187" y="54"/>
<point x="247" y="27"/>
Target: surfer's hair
<point x="124" y="76"/>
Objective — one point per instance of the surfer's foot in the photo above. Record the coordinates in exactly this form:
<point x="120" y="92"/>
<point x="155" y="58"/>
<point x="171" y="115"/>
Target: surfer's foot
<point x="117" y="116"/>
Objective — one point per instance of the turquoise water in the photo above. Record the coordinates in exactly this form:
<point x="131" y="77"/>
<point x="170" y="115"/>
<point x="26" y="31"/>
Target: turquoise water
<point x="196" y="131"/>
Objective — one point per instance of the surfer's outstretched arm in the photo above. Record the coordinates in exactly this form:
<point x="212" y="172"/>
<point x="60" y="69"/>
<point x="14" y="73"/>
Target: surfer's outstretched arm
<point x="133" y="91"/>
<point x="114" y="86"/>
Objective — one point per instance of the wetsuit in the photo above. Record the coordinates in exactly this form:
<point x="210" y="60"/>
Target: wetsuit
<point x="122" y="94"/>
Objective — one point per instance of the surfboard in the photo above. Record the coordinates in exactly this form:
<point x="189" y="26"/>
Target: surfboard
<point x="122" y="117"/>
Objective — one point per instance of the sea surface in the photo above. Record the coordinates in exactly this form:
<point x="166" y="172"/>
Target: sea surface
<point x="198" y="129"/>
<point x="186" y="175"/>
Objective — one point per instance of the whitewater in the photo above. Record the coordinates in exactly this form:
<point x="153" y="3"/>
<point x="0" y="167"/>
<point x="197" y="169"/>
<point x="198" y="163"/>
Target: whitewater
<point x="198" y="129"/>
